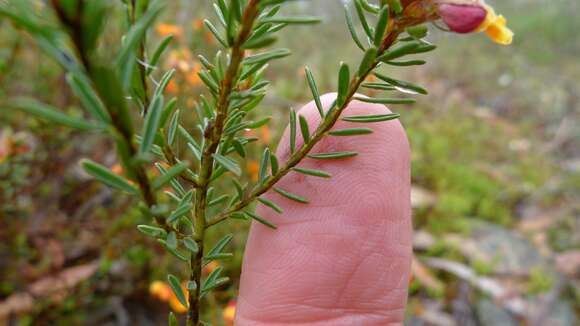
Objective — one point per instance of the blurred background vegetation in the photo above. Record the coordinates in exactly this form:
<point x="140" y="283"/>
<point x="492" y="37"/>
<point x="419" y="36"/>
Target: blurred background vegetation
<point x="496" y="177"/>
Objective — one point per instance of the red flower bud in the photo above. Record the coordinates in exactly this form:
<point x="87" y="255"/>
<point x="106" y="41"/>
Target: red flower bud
<point x="462" y="18"/>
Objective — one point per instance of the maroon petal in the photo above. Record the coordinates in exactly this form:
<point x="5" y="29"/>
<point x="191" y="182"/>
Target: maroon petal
<point x="462" y="18"/>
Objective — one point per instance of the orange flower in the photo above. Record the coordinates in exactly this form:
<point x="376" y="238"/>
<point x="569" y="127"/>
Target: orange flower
<point x="197" y="24"/>
<point x="209" y="38"/>
<point x="265" y="135"/>
<point x="172" y="87"/>
<point x="229" y="312"/>
<point x="253" y="169"/>
<point x="176" y="305"/>
<point x="169" y="29"/>
<point x="162" y="291"/>
<point x="192" y="77"/>
<point x="210" y="267"/>
<point x="117" y="169"/>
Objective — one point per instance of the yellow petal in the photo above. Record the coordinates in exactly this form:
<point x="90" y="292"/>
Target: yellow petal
<point x="495" y="27"/>
<point x="500" y="34"/>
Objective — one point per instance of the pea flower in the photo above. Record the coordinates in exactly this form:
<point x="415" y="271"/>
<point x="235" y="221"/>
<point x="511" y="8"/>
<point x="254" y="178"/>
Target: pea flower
<point x="468" y="16"/>
<point x="460" y="16"/>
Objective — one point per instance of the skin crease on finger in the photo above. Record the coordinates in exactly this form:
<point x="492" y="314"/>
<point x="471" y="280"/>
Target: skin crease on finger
<point x="344" y="258"/>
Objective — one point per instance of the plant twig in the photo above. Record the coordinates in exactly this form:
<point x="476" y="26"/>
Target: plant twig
<point x="326" y="124"/>
<point x="213" y="135"/>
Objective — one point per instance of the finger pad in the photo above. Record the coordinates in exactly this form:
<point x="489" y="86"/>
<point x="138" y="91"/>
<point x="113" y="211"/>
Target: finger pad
<point x="346" y="255"/>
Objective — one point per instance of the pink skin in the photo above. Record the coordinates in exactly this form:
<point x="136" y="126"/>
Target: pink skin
<point x="462" y="18"/>
<point x="343" y="259"/>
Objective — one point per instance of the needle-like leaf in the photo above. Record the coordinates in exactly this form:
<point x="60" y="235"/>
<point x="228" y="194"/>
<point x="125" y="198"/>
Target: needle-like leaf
<point x="291" y="196"/>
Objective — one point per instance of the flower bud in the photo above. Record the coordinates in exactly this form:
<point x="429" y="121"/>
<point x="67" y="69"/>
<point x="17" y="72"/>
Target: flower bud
<point x="470" y="16"/>
<point x="462" y="18"/>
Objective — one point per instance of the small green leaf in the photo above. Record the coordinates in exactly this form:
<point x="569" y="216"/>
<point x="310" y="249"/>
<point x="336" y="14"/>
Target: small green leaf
<point x="409" y="87"/>
<point x="270" y="204"/>
<point x="381" y="26"/>
<point x="292" y="20"/>
<point x="351" y="132"/>
<point x="174" y="252"/>
<point x="214" y="275"/>
<point x="264" y="164"/>
<point x="273" y="163"/>
<point x="107" y="177"/>
<point x="165" y="79"/>
<point x="228" y="163"/>
<point x="191" y="285"/>
<point x="213" y="281"/>
<point x="158" y="52"/>
<point x="314" y="90"/>
<point x="419" y="31"/>
<point x="180" y="211"/>
<point x="51" y="114"/>
<point x="239" y="189"/>
<point x="292" y="130"/>
<point x="175" y="285"/>
<point x="362" y="18"/>
<point x="304" y="129"/>
<point x="152" y="231"/>
<point x="396" y="5"/>
<point x="367" y="61"/>
<point x="220" y="245"/>
<point x="343" y="84"/>
<point x="170" y="106"/>
<point x="215" y="33"/>
<point x="218" y="200"/>
<point x="379" y="86"/>
<point x="126" y="58"/>
<point x="174" y="183"/>
<point x="332" y="156"/>
<point x="191" y="245"/>
<point x="291" y="196"/>
<point x="266" y="56"/>
<point x="172" y="320"/>
<point x="315" y="173"/>
<point x="172" y="130"/>
<point x="259" y="43"/>
<point x="259" y="123"/>
<point x="262" y="220"/>
<point x="399" y="51"/>
<point x="406" y="63"/>
<point x="171" y="240"/>
<point x="151" y="124"/>
<point x="371" y="118"/>
<point x="385" y="100"/>
<point x="169" y="175"/>
<point x="351" y="28"/>
<point x="89" y="98"/>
